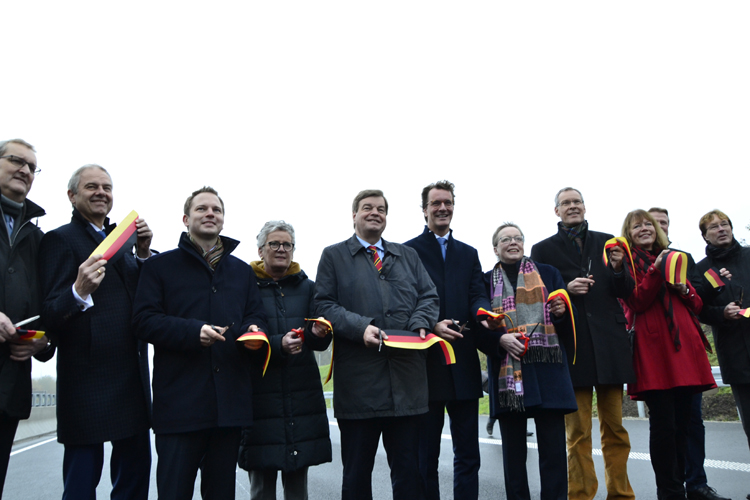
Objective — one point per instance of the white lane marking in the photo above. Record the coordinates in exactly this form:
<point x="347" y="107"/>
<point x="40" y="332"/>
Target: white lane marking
<point x="32" y="446"/>
<point x="634" y="455"/>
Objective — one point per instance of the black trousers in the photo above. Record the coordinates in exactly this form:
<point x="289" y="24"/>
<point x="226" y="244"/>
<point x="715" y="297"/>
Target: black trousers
<point x="741" y="393"/>
<point x="464" y="423"/>
<point x="213" y="451"/>
<point x="359" y="444"/>
<point x="8" y="426"/>
<point x="668" y="418"/>
<point x="129" y="466"/>
<point x="695" y="474"/>
<point x="553" y="458"/>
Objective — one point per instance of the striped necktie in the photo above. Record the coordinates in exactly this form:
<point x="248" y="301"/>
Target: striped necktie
<point x="376" y="258"/>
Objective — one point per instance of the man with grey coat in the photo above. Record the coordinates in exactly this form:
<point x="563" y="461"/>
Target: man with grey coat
<point x="368" y="287"/>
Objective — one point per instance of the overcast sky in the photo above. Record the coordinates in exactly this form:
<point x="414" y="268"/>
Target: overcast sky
<point x="290" y="108"/>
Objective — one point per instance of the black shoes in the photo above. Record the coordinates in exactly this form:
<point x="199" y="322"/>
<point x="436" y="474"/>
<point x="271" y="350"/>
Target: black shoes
<point x="490" y="426"/>
<point x="706" y="493"/>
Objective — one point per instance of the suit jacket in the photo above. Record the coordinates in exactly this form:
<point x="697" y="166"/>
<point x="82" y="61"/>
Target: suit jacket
<point x="198" y="387"/>
<point x="352" y="294"/>
<point x="460" y="285"/>
<point x="102" y="369"/>
<point x="604" y="355"/>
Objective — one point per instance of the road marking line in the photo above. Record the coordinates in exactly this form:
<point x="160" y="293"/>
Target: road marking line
<point x="32" y="446"/>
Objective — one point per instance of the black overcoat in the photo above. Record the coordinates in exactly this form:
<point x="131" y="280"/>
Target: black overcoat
<point x="102" y="369"/>
<point x="459" y="284"/>
<point x="198" y="387"/>
<point x="604" y="355"/>
<point x="290" y="423"/>
<point x="20" y="298"/>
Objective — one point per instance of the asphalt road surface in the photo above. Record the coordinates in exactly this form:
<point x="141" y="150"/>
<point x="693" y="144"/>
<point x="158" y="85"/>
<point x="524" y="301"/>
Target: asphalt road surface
<point x="35" y="470"/>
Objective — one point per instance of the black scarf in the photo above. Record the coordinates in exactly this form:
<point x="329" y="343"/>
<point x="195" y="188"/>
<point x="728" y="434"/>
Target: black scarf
<point x="718" y="253"/>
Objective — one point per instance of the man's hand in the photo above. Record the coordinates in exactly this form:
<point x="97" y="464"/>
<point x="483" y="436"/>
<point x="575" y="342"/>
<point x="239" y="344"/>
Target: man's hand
<point x="290" y="343"/>
<point x="442" y="329"/>
<point x="253" y="344"/>
<point x="580" y="286"/>
<point x="209" y="335"/>
<point x="371" y="336"/>
<point x="21" y="350"/>
<point x="90" y="275"/>
<point x="616" y="256"/>
<point x="732" y="311"/>
<point x="143" y="243"/>
<point x="509" y="342"/>
<point x="725" y="273"/>
<point x="557" y="307"/>
<point x="7" y="330"/>
<point x="493" y="323"/>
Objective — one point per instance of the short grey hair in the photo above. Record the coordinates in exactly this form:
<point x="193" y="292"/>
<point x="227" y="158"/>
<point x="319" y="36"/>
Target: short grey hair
<point x="557" y="196"/>
<point x="271" y="226"/>
<point x="503" y="226"/>
<point x="75" y="179"/>
<point x="4" y="145"/>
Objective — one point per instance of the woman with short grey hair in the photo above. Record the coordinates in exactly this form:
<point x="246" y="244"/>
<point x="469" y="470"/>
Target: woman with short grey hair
<point x="290" y="423"/>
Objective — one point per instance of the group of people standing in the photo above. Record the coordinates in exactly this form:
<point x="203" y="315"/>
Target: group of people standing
<point x="561" y="324"/>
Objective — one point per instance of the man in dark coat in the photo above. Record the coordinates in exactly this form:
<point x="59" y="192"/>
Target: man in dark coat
<point x="723" y="312"/>
<point x="456" y="272"/>
<point x="192" y="304"/>
<point x="102" y="368"/>
<point x="604" y="359"/>
<point x="367" y="288"/>
<point x="696" y="482"/>
<point x="19" y="293"/>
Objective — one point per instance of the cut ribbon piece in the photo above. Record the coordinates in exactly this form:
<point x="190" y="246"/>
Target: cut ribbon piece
<point x="713" y="277"/>
<point x="258" y="336"/>
<point x="483" y="313"/>
<point x="402" y="339"/>
<point x="120" y="241"/>
<point x="29" y="334"/>
<point x="674" y="268"/>
<point x="330" y="327"/>
<point x="619" y="241"/>
<point x="744" y="312"/>
<point x="563" y="294"/>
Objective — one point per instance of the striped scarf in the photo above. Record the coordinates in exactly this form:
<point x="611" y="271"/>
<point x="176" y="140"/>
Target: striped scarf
<point x="528" y="311"/>
<point x="212" y="256"/>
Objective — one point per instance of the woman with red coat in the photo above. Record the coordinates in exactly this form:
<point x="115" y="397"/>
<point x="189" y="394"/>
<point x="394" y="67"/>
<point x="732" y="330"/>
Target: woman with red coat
<point x="669" y="355"/>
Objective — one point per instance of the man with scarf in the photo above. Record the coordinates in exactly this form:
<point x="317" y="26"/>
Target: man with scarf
<point x="19" y="293"/>
<point x="192" y="304"/>
<point x="603" y="358"/>
<point x="724" y="312"/>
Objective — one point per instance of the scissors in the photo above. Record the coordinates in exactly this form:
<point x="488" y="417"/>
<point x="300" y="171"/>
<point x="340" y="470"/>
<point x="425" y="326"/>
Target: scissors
<point x="526" y="337"/>
<point x="460" y="327"/>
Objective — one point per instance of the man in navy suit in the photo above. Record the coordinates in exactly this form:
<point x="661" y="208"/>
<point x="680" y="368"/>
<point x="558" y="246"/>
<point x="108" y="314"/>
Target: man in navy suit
<point x="457" y="274"/>
<point x="102" y="369"/>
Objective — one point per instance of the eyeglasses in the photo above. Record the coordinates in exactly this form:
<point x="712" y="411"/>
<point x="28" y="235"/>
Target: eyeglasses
<point x="508" y="239"/>
<point x="723" y="224"/>
<point x="21" y="162"/>
<point x="274" y="245"/>
<point x="567" y="203"/>
<point x="436" y="204"/>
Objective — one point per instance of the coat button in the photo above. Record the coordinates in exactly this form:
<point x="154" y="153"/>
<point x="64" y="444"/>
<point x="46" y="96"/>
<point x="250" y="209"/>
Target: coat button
<point x="291" y="423"/>
<point x="382" y="277"/>
<point x="216" y="369"/>
<point x="295" y="452"/>
<point x="213" y="289"/>
<point x="11" y="270"/>
<point x="588" y="314"/>
<point x="387" y="315"/>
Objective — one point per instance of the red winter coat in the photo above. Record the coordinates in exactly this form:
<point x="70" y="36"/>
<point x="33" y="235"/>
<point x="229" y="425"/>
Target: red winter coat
<point x="657" y="363"/>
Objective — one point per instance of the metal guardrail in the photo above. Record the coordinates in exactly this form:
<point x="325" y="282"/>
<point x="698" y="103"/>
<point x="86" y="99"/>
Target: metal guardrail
<point x="43" y="399"/>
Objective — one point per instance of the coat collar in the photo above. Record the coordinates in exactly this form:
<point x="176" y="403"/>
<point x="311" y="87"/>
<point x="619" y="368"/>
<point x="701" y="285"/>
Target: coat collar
<point x="187" y="245"/>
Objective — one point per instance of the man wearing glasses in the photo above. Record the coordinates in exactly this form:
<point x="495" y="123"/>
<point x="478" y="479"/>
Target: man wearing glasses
<point x="726" y="311"/>
<point x="603" y="358"/>
<point x="456" y="272"/>
<point x="19" y="294"/>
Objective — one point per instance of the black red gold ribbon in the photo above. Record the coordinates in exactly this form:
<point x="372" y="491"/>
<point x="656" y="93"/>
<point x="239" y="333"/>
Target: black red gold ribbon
<point x="29" y="334"/>
<point x="483" y="313"/>
<point x="258" y="336"/>
<point x="403" y="339"/>
<point x="120" y="240"/>
<point x="713" y="277"/>
<point x="674" y="268"/>
<point x="619" y="241"/>
<point x="563" y="294"/>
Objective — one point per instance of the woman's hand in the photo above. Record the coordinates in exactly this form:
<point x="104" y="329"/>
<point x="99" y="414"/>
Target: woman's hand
<point x="661" y="256"/>
<point x="616" y="256"/>
<point x="509" y="342"/>
<point x="680" y="287"/>
<point x="557" y="307"/>
<point x="291" y="343"/>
